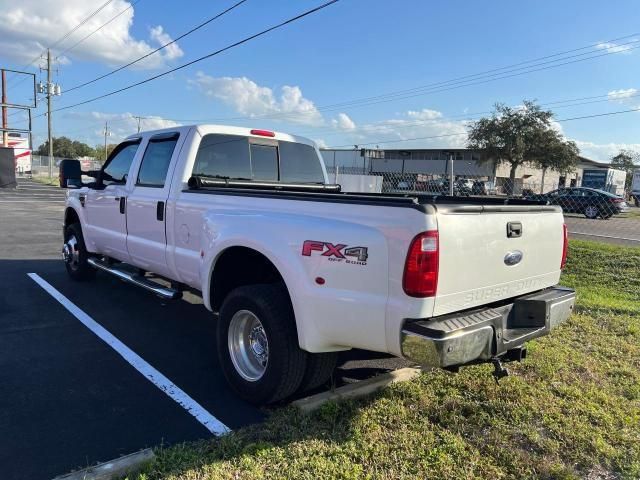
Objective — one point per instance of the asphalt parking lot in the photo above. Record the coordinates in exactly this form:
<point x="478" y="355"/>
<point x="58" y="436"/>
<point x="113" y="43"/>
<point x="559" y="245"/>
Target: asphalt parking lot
<point x="620" y="229"/>
<point x="69" y="398"/>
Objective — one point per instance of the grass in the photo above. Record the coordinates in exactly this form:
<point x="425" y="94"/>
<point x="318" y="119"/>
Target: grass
<point x="47" y="180"/>
<point x="571" y="410"/>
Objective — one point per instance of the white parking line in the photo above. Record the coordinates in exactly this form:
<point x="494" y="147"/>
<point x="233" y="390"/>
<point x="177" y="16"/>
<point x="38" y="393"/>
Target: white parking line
<point x="210" y="422"/>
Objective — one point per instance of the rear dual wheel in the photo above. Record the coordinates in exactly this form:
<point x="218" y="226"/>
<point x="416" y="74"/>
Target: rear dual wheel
<point x="258" y="350"/>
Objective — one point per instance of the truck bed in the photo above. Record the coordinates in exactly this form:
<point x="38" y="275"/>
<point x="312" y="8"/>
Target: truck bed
<point x="332" y="193"/>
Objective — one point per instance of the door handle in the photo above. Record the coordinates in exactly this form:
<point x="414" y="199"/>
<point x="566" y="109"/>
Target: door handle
<point x="122" y="201"/>
<point x="160" y="211"/>
<point x="514" y="229"/>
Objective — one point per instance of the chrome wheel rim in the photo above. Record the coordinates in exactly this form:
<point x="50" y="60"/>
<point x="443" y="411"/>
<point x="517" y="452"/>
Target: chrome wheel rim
<point x="71" y="252"/>
<point x="591" y="212"/>
<point x="248" y="345"/>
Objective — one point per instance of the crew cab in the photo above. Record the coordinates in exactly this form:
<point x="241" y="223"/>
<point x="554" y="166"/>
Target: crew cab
<point x="295" y="270"/>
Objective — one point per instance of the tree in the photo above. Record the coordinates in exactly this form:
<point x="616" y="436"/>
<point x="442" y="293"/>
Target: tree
<point x="561" y="155"/>
<point x="626" y="160"/>
<point x="99" y="151"/>
<point x="65" y="147"/>
<point x="519" y="136"/>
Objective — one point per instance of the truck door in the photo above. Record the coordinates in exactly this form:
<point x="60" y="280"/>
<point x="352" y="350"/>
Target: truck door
<point x="105" y="204"/>
<point x="146" y="204"/>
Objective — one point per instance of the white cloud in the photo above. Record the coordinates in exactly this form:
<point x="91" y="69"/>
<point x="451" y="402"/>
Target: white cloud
<point x="622" y="95"/>
<point x="343" y="122"/>
<point x="121" y="125"/>
<point x="28" y="26"/>
<point x="603" y="152"/>
<point x="250" y="99"/>
<point x="411" y="124"/>
<point x="161" y="37"/>
<point x="424" y="114"/>
<point x="611" y="47"/>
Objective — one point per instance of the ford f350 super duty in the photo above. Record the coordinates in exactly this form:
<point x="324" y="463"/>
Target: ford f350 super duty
<point x="296" y="270"/>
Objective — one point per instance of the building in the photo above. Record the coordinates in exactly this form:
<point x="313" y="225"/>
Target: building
<point x="399" y="167"/>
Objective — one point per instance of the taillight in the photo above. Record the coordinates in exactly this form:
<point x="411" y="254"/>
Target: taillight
<point x="616" y="200"/>
<point x="263" y="133"/>
<point x="565" y="245"/>
<point x="421" y="268"/>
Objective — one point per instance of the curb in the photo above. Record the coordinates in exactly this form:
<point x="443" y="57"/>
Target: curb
<point x="355" y="390"/>
<point x="117" y="468"/>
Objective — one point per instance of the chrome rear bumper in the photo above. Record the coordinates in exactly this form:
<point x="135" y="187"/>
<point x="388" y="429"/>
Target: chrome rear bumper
<point x="480" y="335"/>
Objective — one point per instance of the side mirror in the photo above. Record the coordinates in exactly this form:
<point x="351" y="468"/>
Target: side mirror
<point x="70" y="174"/>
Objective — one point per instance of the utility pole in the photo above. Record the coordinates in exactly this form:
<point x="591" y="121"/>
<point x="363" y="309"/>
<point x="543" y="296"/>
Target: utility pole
<point x="49" y="95"/>
<point x="5" y="134"/>
<point x="107" y="133"/>
<point x="139" y="120"/>
<point x="451" y="174"/>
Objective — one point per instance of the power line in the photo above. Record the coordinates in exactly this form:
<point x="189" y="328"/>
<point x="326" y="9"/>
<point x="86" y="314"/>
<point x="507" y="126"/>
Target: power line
<point x="131" y="5"/>
<point x="456" y="85"/>
<point x="65" y="36"/>
<point x="197" y="27"/>
<point x="464" y="133"/>
<point x="467" y="80"/>
<point x="599" y="115"/>
<point x="70" y="32"/>
<point x="508" y="68"/>
<point x="402" y="140"/>
<point x="468" y="116"/>
<point x="204" y="57"/>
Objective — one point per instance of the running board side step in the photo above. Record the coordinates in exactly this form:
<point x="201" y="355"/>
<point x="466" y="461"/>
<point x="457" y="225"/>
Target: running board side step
<point x="161" y="291"/>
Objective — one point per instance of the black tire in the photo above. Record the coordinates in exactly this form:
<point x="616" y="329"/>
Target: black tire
<point x="320" y="367"/>
<point x="78" y="269"/>
<point x="286" y="362"/>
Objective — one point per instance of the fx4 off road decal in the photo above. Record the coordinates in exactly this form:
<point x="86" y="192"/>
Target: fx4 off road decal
<point x="336" y="253"/>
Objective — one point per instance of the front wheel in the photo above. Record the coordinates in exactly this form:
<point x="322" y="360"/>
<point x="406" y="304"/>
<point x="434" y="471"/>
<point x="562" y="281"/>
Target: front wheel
<point x="257" y="344"/>
<point x="75" y="255"/>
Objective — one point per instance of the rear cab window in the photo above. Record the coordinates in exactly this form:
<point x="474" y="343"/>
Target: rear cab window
<point x="235" y="157"/>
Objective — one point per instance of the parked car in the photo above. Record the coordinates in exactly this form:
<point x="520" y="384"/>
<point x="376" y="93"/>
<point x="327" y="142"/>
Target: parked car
<point x="296" y="271"/>
<point x="592" y="203"/>
<point x="479" y="188"/>
<point x="441" y="186"/>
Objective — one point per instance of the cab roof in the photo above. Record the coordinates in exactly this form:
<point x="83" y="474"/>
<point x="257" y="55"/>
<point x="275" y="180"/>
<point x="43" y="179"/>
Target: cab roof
<point x="204" y="129"/>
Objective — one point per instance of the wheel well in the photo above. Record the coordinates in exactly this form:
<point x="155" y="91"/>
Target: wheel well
<point x="70" y="217"/>
<point x="238" y="266"/>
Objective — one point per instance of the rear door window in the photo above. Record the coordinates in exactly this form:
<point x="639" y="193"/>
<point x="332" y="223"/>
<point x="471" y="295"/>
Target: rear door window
<point x="156" y="160"/>
<point x="223" y="156"/>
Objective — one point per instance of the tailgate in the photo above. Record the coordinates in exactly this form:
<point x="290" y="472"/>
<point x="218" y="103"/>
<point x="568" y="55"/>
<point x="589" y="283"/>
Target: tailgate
<point x="481" y="263"/>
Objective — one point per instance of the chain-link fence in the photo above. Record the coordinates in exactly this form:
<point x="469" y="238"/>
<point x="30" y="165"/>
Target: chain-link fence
<point x="584" y="207"/>
<point x="38" y="166"/>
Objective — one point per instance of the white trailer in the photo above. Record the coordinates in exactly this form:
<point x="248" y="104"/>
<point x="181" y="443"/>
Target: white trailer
<point x="22" y="154"/>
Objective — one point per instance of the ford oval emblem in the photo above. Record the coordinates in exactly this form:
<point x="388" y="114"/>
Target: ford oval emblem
<point x="513" y="258"/>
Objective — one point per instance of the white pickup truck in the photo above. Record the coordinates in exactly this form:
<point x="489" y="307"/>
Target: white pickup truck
<point x="297" y="270"/>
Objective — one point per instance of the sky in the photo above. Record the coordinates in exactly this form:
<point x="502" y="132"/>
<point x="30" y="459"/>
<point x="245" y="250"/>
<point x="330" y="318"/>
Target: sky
<point x="360" y="72"/>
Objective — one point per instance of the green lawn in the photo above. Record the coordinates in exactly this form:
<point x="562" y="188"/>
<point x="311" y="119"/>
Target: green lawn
<point x="47" y="180"/>
<point x="571" y="410"/>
